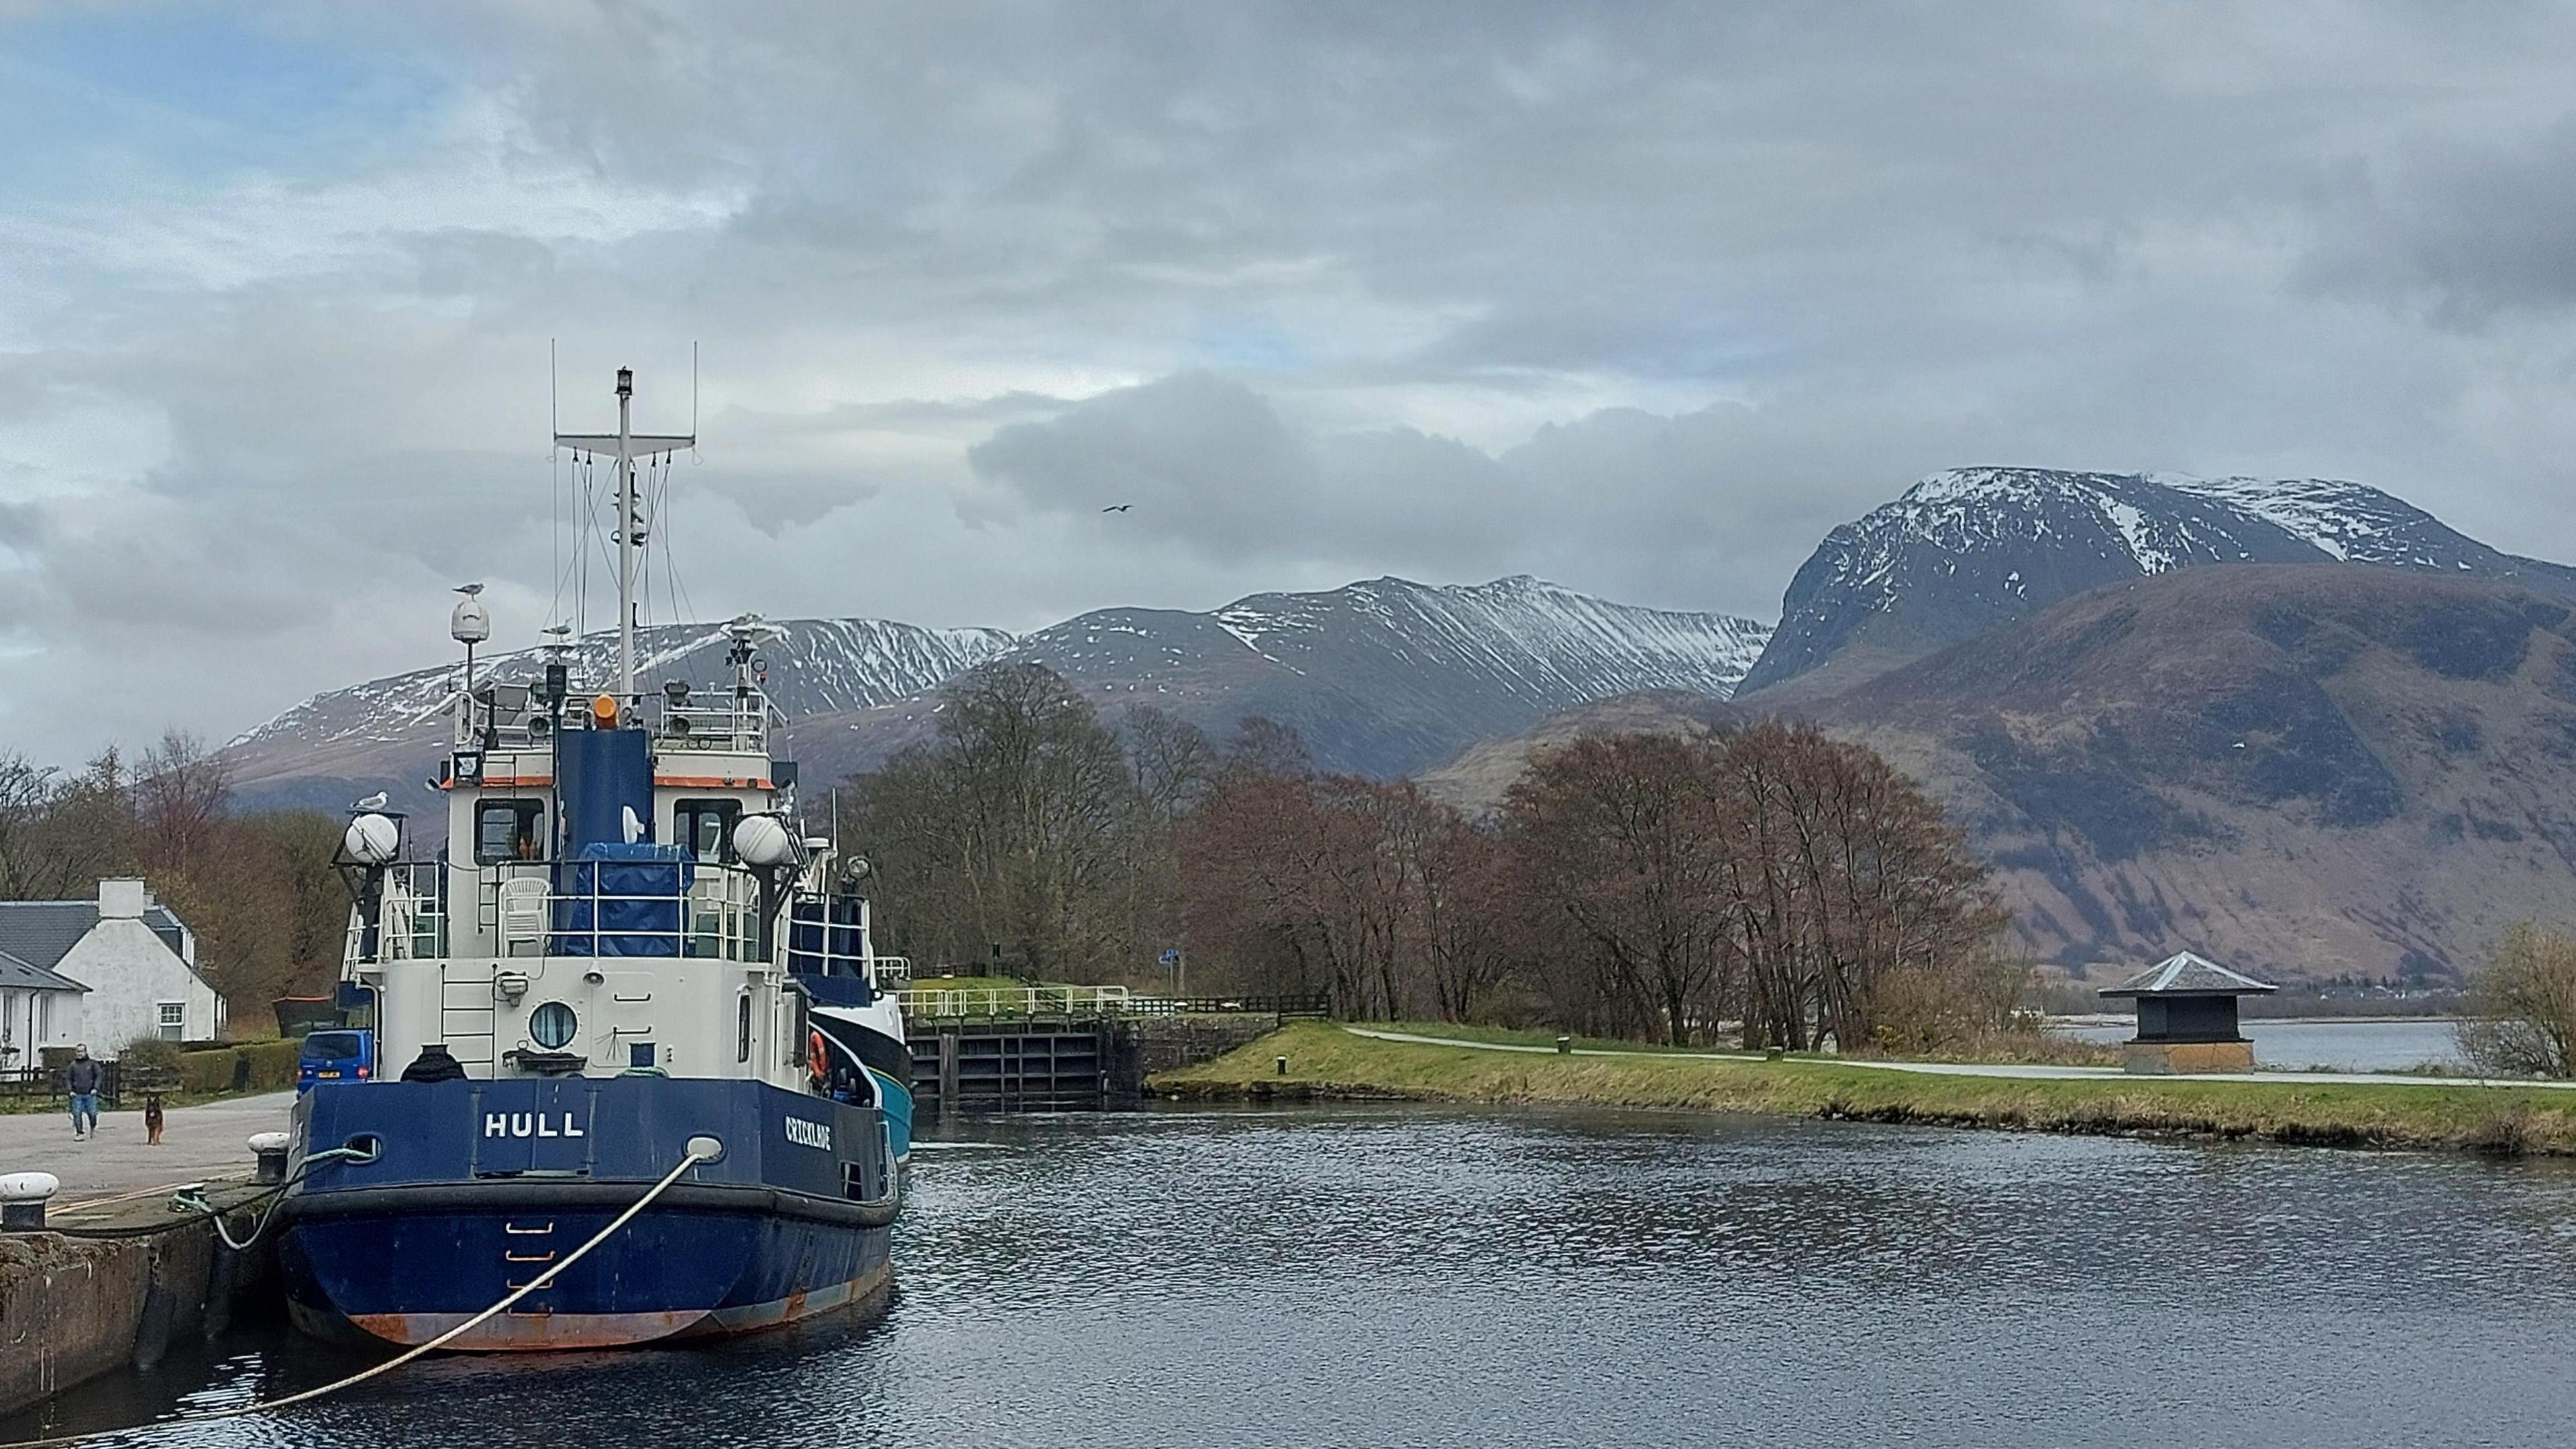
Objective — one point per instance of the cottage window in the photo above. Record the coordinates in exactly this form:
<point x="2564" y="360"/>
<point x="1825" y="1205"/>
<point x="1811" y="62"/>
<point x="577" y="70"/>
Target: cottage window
<point x="508" y="830"/>
<point x="174" y="1020"/>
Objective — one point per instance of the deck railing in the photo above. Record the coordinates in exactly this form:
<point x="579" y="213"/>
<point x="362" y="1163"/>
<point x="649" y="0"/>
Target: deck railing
<point x="975" y="1001"/>
<point x="964" y="1002"/>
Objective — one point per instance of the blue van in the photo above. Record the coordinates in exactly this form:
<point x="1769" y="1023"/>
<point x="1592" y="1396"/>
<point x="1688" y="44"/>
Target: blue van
<point x="335" y="1056"/>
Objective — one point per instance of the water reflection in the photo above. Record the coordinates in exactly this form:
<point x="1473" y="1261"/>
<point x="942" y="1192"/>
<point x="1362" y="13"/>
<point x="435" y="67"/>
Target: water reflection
<point x="1399" y="1276"/>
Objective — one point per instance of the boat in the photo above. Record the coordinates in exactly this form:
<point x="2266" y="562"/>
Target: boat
<point x="639" y="1073"/>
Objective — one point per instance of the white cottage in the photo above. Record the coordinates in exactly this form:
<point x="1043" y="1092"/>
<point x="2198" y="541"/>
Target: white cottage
<point x="132" y="964"/>
<point x="38" y="1009"/>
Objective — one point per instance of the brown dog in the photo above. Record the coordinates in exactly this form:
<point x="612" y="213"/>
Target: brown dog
<point x="152" y="1119"/>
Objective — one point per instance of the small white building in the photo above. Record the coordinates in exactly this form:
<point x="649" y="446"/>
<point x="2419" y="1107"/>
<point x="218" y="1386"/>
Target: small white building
<point x="38" y="1009"/>
<point x="132" y="960"/>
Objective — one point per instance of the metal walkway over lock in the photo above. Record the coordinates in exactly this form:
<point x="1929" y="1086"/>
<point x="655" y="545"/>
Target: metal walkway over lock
<point x="1045" y="1050"/>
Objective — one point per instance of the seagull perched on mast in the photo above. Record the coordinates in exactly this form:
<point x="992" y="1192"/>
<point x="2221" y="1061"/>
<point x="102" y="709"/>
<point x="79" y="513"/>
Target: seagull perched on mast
<point x="372" y="802"/>
<point x="469" y="590"/>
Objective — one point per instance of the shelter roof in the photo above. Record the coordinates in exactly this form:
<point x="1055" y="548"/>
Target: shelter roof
<point x="2184" y="974"/>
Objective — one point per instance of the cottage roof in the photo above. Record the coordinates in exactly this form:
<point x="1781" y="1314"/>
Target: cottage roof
<point x="42" y="933"/>
<point x="17" y="975"/>
<point x="2184" y="974"/>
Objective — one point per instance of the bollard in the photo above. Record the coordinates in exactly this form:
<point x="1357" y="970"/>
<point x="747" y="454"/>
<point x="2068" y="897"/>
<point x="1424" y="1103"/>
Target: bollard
<point x="1283" y="1066"/>
<point x="268" y="1150"/>
<point x="1773" y="1054"/>
<point x="23" y="1196"/>
<point x="1565" y="1046"/>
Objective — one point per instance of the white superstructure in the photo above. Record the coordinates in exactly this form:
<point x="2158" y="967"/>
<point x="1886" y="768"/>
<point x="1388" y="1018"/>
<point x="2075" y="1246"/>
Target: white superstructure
<point x="625" y="886"/>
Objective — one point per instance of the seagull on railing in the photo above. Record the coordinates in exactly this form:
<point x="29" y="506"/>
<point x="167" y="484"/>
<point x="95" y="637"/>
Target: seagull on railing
<point x="373" y="802"/>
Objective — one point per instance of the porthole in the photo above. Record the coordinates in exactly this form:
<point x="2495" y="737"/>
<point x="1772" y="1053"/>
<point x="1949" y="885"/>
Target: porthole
<point x="552" y="1025"/>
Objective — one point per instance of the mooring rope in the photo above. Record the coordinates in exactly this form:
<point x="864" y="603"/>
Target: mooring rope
<point x="199" y="1209"/>
<point x="687" y="1161"/>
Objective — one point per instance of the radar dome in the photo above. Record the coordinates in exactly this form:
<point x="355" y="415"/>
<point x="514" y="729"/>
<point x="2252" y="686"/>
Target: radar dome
<point x="372" y="839"/>
<point x="764" y="840"/>
<point x="471" y="623"/>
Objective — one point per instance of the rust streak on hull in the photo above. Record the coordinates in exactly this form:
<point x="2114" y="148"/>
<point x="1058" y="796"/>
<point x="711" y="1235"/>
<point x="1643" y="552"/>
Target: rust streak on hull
<point x="561" y="1332"/>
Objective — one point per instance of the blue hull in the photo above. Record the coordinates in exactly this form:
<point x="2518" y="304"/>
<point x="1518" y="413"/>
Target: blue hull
<point x="479" y="1187"/>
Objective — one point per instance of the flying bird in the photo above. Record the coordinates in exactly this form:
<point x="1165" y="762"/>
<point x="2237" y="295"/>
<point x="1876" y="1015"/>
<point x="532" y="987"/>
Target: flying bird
<point x="1118" y="507"/>
<point x="372" y="802"/>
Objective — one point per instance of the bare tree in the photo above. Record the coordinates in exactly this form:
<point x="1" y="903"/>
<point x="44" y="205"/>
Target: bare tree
<point x="1624" y="839"/>
<point x="58" y="833"/>
<point x="180" y="793"/>
<point x="2520" y="1016"/>
<point x="1013" y="834"/>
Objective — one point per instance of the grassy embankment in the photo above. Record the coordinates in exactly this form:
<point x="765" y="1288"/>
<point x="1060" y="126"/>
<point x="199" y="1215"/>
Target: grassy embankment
<point x="1326" y="1062"/>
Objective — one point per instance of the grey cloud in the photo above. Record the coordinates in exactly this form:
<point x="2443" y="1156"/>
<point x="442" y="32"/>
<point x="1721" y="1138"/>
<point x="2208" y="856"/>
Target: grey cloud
<point x="2467" y="234"/>
<point x="1640" y="297"/>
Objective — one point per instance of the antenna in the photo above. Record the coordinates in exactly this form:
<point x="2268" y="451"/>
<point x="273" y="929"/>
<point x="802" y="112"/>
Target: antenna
<point x="628" y="447"/>
<point x="693" y="392"/>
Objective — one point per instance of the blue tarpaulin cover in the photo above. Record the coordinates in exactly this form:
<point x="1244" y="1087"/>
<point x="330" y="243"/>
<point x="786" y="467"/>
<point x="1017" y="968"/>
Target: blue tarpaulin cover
<point x="621" y="900"/>
<point x="603" y="776"/>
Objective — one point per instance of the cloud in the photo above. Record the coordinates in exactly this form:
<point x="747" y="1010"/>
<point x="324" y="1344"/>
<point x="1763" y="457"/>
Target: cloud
<point x="2470" y="234"/>
<point x="1643" y="298"/>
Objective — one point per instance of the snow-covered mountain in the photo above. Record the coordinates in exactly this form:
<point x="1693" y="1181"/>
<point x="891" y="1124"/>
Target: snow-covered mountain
<point x="1385" y="676"/>
<point x="386" y="733"/>
<point x="1968" y="549"/>
<point x="817" y="666"/>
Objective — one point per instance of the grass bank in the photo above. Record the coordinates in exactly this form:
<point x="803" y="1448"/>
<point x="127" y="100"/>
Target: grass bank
<point x="1326" y="1062"/>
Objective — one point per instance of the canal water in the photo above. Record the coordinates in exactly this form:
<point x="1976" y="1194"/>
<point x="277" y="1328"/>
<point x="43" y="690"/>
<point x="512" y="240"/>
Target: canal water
<point x="2334" y="1043"/>
<point x="1401" y="1276"/>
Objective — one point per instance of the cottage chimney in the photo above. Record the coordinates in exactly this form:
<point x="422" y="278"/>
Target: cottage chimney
<point x="122" y="898"/>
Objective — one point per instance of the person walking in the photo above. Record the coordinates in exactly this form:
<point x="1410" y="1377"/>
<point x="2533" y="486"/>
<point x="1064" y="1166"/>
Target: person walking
<point x="81" y="1080"/>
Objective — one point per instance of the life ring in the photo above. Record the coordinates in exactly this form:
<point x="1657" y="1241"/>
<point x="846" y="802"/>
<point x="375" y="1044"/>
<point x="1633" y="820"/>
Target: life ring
<point x="818" y="1061"/>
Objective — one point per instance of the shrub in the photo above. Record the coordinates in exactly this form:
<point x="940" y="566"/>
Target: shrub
<point x="272" y="1066"/>
<point x="149" y="1054"/>
<point x="2519" y="1019"/>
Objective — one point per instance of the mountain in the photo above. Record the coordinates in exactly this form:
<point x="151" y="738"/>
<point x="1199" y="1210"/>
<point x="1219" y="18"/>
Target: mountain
<point x="1382" y="677"/>
<point x="1476" y="778"/>
<point x="2304" y="771"/>
<point x="1966" y="550"/>
<point x="389" y="733"/>
<point x="2311" y="770"/>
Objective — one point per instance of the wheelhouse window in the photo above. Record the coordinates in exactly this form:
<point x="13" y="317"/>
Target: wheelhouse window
<point x="509" y="830"/>
<point x="706" y="828"/>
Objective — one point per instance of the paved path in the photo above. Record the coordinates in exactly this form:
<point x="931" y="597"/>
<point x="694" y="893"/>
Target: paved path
<point x="197" y="1143"/>
<point x="1980" y="1069"/>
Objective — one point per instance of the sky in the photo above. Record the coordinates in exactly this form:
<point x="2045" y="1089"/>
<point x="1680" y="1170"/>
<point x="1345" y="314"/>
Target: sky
<point x="1639" y="298"/>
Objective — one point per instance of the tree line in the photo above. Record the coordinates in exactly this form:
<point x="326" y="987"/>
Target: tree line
<point x="1767" y="884"/>
<point x="258" y="890"/>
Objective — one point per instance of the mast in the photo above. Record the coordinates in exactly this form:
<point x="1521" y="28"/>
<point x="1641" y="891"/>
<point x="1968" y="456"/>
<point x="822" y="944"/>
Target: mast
<point x="625" y="534"/>
<point x="627" y="447"/>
